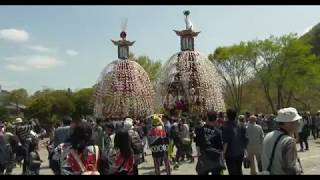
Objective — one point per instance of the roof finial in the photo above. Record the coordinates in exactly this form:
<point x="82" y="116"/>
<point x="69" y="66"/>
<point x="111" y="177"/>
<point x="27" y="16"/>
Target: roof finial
<point x="189" y="24"/>
<point x="123" y="33"/>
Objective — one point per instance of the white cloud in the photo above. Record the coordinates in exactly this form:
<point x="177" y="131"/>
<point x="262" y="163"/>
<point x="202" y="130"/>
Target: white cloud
<point x="24" y="63"/>
<point x="42" y="49"/>
<point x="13" y="59"/>
<point x="43" y="62"/>
<point x="14" y="67"/>
<point x="71" y="52"/>
<point x="15" y="35"/>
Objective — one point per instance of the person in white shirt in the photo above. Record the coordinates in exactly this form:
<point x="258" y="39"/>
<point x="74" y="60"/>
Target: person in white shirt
<point x="255" y="135"/>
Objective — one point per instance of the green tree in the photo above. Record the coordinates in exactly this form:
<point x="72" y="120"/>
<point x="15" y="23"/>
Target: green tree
<point x="283" y="63"/>
<point x="50" y="105"/>
<point x="3" y="113"/>
<point x="40" y="107"/>
<point x="232" y="64"/>
<point x="61" y="103"/>
<point x="313" y="38"/>
<point x="18" y="96"/>
<point x="152" y="67"/>
<point x="82" y="101"/>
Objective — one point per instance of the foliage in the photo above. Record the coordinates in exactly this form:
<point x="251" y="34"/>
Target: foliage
<point x="152" y="67"/>
<point x="82" y="102"/>
<point x="232" y="64"/>
<point x="280" y="69"/>
<point x="19" y="96"/>
<point x="313" y="38"/>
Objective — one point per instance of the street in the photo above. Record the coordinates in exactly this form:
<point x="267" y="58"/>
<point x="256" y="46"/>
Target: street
<point x="309" y="159"/>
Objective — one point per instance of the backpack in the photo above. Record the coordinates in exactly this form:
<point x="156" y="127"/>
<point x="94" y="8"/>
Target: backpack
<point x="84" y="171"/>
<point x="137" y="143"/>
<point x="5" y="151"/>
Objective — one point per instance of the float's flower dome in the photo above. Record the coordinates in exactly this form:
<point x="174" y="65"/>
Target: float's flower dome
<point x="123" y="88"/>
<point x="188" y="80"/>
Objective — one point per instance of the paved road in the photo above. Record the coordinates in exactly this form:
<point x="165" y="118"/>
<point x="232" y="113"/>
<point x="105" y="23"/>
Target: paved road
<point x="310" y="162"/>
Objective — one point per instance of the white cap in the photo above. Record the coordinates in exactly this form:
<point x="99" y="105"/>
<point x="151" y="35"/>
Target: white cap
<point x="18" y="120"/>
<point x="128" y="123"/>
<point x="289" y="114"/>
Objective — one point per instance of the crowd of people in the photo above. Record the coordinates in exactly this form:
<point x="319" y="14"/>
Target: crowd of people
<point x="223" y="141"/>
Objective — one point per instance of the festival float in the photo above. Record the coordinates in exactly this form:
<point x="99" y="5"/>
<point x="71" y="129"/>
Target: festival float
<point x="123" y="88"/>
<point x="189" y="82"/>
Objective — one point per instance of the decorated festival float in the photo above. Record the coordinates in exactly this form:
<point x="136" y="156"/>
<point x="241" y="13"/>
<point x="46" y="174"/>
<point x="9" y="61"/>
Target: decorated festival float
<point x="123" y="88"/>
<point x="189" y="82"/>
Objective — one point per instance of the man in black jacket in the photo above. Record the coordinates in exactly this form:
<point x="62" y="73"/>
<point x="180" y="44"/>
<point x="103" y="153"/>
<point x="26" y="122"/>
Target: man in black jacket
<point x="234" y="143"/>
<point x="209" y="142"/>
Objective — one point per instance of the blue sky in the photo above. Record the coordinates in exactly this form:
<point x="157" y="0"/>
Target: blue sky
<point x="68" y="46"/>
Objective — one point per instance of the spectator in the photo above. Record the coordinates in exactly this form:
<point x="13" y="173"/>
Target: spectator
<point x="279" y="152"/>
<point x="62" y="133"/>
<point x="5" y="150"/>
<point x="177" y="141"/>
<point x="235" y="142"/>
<point x="242" y="121"/>
<point x="81" y="156"/>
<point x="220" y="119"/>
<point x="304" y="133"/>
<point x="108" y="145"/>
<point x="136" y="143"/>
<point x="200" y="123"/>
<point x="314" y="128"/>
<point x="209" y="142"/>
<point x="34" y="161"/>
<point x="167" y="126"/>
<point x="246" y="117"/>
<point x="186" y="140"/>
<point x="260" y="119"/>
<point x="159" y="143"/>
<point x="9" y="148"/>
<point x="317" y="124"/>
<point x="23" y="132"/>
<point x="271" y="123"/>
<point x="255" y="136"/>
<point x="123" y="164"/>
<point x="97" y="132"/>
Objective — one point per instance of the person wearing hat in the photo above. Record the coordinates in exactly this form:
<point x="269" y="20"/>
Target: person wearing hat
<point x="23" y="131"/>
<point x="159" y="144"/>
<point x="137" y="143"/>
<point x="279" y="152"/>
